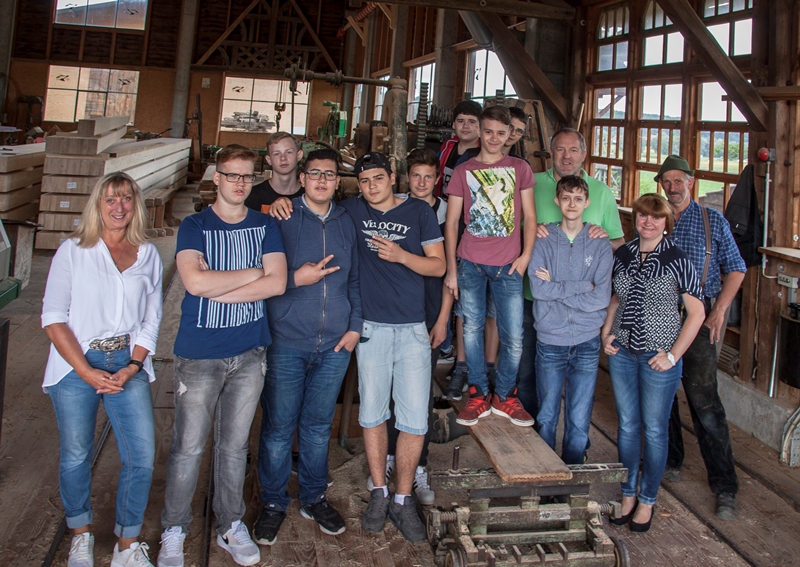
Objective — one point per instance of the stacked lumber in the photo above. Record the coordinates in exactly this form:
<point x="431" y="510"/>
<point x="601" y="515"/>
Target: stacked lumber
<point x="75" y="162"/>
<point x="20" y="181"/>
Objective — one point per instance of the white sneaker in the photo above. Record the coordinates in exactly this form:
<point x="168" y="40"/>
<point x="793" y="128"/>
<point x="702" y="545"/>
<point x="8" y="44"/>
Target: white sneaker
<point x="422" y="489"/>
<point x="134" y="556"/>
<point x="81" y="551"/>
<point x="389" y="473"/>
<point x="171" y="552"/>
<point x="237" y="542"/>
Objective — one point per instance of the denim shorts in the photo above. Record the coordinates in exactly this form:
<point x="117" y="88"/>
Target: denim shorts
<point x="394" y="360"/>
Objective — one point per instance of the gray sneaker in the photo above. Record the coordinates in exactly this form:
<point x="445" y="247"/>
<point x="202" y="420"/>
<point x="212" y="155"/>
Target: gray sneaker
<point x="459" y="383"/>
<point x="406" y="518"/>
<point x="727" y="508"/>
<point x="672" y="474"/>
<point x="374" y="518"/>
<point x="422" y="488"/>
<point x="171" y="552"/>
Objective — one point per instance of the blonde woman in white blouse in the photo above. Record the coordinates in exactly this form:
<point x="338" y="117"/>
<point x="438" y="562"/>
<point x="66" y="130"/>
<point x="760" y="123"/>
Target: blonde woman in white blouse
<point x="102" y="310"/>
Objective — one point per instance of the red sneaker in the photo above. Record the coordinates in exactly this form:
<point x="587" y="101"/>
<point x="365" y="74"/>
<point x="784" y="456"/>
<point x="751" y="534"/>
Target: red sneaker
<point x="511" y="409"/>
<point x="477" y="407"/>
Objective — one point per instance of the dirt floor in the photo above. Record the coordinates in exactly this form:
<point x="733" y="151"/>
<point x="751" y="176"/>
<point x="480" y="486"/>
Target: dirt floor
<point x="685" y="531"/>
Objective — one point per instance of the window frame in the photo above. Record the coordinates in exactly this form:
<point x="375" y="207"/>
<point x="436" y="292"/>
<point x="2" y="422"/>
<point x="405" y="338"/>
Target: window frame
<point x="285" y="114"/>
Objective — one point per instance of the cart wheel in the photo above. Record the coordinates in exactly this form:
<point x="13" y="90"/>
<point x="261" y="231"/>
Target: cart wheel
<point x="456" y="557"/>
<point x="621" y="553"/>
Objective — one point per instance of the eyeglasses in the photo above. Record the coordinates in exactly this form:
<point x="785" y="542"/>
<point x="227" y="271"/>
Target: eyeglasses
<point x="316" y="174"/>
<point x="236" y="177"/>
<point x="519" y="131"/>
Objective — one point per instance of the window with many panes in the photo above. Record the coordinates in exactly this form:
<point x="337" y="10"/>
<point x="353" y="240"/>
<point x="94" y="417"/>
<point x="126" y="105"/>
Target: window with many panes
<point x="612" y="39"/>
<point x="380" y="94"/>
<point x="663" y="44"/>
<point x="608" y="136"/>
<point x="122" y="14"/>
<point x="486" y="76"/>
<point x="659" y="130"/>
<point x="263" y="106"/>
<point x="74" y="93"/>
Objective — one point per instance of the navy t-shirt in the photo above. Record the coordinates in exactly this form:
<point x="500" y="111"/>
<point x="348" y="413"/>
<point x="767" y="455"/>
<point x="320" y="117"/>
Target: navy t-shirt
<point x="210" y="329"/>
<point x="390" y="292"/>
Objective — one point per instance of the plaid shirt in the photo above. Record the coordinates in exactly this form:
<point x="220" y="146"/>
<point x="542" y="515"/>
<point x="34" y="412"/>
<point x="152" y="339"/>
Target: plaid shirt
<point x="690" y="235"/>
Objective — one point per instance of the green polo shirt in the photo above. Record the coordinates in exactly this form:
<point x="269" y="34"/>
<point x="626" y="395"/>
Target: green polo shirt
<point x="602" y="209"/>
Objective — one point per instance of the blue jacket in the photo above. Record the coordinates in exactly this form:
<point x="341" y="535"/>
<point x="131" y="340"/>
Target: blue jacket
<point x="314" y="317"/>
<point x="570" y="309"/>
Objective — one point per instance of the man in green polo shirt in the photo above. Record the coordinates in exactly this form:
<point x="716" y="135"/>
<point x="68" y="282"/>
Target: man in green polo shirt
<point x="568" y="148"/>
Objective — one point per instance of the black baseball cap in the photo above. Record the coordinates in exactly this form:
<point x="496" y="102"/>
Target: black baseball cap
<point x="372" y="160"/>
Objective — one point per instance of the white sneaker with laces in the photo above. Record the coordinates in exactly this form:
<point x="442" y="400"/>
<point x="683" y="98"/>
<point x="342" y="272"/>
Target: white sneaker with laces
<point x="422" y="489"/>
<point x="134" y="556"/>
<point x="171" y="552"/>
<point x="389" y="473"/>
<point x="237" y="542"/>
<point x="81" y="551"/>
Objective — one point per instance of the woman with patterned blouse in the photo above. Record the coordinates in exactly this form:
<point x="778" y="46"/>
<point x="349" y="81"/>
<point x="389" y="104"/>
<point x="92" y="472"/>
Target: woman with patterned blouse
<point x="645" y="340"/>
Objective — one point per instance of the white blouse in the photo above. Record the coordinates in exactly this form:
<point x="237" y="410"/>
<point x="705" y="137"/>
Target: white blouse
<point x="86" y="291"/>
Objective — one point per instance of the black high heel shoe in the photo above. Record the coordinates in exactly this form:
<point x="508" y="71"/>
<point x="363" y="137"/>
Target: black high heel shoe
<point x="641" y="528"/>
<point x="622" y="520"/>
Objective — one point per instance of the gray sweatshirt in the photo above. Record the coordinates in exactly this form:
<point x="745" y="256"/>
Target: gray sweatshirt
<point x="566" y="310"/>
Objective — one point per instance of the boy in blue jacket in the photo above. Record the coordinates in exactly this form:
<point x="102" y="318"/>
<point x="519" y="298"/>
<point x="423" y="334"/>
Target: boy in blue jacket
<point x="315" y="327"/>
<point x="570" y="275"/>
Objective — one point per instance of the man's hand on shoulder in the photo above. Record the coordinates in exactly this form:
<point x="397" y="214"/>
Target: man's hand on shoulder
<point x="281" y="208"/>
<point x="541" y="230"/>
<point x="597" y="231"/>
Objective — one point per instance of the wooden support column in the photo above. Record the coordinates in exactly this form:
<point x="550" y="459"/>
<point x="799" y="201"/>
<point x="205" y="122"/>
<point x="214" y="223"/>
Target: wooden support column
<point x="444" y="90"/>
<point x="399" y="42"/>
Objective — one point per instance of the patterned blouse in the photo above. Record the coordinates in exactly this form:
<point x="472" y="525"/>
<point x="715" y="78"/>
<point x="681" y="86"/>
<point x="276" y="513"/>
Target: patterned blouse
<point x="649" y="291"/>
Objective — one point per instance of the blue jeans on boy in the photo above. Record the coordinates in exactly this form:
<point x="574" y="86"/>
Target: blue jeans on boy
<point x="473" y="280"/>
<point x="575" y="366"/>
<point x="644" y="399"/>
<point x="299" y="393"/>
<point x="218" y="392"/>
<point x="131" y="415"/>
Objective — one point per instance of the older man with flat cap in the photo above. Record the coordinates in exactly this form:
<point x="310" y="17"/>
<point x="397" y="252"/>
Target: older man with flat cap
<point x="705" y="236"/>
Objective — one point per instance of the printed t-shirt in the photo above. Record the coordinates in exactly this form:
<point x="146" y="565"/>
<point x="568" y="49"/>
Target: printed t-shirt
<point x="209" y="329"/>
<point x="390" y="292"/>
<point x="492" y="208"/>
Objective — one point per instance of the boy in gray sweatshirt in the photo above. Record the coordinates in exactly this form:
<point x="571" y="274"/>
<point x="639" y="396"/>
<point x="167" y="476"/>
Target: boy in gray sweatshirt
<point x="570" y="277"/>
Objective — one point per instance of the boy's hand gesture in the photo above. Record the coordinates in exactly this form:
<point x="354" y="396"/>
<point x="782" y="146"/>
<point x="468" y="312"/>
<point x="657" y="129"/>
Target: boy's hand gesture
<point x="388" y="250"/>
<point x="310" y="273"/>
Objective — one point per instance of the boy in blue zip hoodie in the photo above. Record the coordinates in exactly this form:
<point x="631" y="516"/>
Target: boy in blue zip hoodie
<point x="570" y="275"/>
<point x="315" y="327"/>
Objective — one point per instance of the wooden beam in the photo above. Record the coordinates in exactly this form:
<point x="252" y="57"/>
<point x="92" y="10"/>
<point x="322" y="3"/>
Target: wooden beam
<point x="390" y="13"/>
<point x="771" y="94"/>
<point x="520" y="59"/>
<point x="97" y="125"/>
<point x="359" y="29"/>
<point x="505" y="7"/>
<point x="313" y="35"/>
<point x="228" y="31"/>
<point x="742" y="93"/>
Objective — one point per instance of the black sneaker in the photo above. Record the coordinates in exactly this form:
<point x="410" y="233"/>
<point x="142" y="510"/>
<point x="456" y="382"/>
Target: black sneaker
<point x="406" y="518"/>
<point x="265" y="530"/>
<point x="329" y="520"/>
<point x="374" y="518"/>
<point x="457" y="386"/>
<point x="727" y="509"/>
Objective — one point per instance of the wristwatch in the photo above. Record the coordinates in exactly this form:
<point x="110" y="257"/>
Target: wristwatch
<point x="671" y="358"/>
<point x="139" y="365"/>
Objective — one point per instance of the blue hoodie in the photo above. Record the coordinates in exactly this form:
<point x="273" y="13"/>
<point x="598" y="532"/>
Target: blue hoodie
<point x="315" y="317"/>
<point x="567" y="311"/>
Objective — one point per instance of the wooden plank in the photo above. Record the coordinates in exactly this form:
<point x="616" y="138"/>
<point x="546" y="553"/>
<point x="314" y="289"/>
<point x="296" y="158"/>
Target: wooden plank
<point x="521" y="58"/>
<point x="57" y="202"/>
<point x="68" y="184"/>
<point x="23" y="212"/>
<point x="83" y="145"/>
<point x="24" y="196"/>
<point x="50" y="240"/>
<point x="14" y="158"/>
<point x="744" y="94"/>
<point x="127" y="148"/>
<point x="517" y="454"/>
<point x="99" y="166"/>
<point x="101" y="124"/>
<point x="506" y="7"/>
<point x="59" y="221"/>
<point x="19" y="179"/>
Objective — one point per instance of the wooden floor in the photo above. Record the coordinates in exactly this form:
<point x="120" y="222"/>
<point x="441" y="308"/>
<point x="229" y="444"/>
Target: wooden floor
<point x="685" y="531"/>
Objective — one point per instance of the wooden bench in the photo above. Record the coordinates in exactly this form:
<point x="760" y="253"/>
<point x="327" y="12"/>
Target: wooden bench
<point x="158" y="201"/>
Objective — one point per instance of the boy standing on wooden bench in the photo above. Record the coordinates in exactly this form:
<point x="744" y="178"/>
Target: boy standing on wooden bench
<point x="570" y="275"/>
<point x="494" y="193"/>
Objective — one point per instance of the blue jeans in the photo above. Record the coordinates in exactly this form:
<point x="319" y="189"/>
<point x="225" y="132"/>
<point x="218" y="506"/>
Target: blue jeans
<point x="222" y="392"/>
<point x="644" y="399"/>
<point x="300" y="392"/>
<point x="577" y="367"/>
<point x="473" y="280"/>
<point x="131" y="415"/>
<point x="526" y="377"/>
